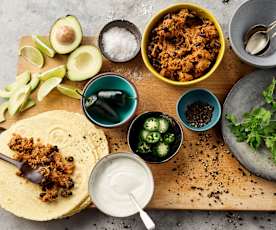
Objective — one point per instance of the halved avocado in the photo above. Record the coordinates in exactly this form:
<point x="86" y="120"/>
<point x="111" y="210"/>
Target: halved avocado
<point x="85" y="62"/>
<point x="18" y="98"/>
<point x="66" y="34"/>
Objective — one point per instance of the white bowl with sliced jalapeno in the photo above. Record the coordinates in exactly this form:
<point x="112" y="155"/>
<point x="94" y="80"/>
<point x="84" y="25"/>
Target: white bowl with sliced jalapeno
<point x="155" y="136"/>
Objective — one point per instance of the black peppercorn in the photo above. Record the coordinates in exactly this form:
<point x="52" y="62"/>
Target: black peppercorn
<point x="199" y="114"/>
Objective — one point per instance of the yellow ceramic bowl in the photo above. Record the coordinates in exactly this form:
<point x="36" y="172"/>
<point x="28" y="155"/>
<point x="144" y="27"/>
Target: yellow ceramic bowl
<point x="174" y="8"/>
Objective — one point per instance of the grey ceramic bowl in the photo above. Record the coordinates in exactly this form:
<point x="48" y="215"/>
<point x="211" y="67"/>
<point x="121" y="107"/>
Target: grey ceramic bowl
<point x="250" y="13"/>
<point x="122" y="24"/>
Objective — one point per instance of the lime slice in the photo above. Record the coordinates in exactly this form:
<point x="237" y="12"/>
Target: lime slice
<point x="69" y="91"/>
<point x="28" y="104"/>
<point x="34" y="81"/>
<point x="43" y="45"/>
<point x="32" y="55"/>
<point x="3" y="109"/>
<point x="58" y="71"/>
<point x="47" y="87"/>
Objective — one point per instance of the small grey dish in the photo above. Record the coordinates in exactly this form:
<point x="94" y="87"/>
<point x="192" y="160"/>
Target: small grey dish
<point x="246" y="94"/>
<point x="250" y="13"/>
<point x="122" y="24"/>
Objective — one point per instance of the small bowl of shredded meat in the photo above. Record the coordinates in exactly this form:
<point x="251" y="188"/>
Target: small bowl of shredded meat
<point x="183" y="44"/>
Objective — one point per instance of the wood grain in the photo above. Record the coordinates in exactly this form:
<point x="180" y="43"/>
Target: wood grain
<point x="204" y="174"/>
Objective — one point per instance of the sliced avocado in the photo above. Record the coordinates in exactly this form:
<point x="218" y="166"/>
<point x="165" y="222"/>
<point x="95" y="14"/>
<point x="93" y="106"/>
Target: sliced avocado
<point x="21" y="79"/>
<point x="3" y="109"/>
<point x="85" y="62"/>
<point x="66" y="34"/>
<point x="35" y="81"/>
<point x="18" y="98"/>
<point x="5" y="94"/>
<point x="27" y="105"/>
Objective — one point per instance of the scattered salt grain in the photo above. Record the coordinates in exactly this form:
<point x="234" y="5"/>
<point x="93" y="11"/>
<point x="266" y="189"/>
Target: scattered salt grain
<point x="119" y="43"/>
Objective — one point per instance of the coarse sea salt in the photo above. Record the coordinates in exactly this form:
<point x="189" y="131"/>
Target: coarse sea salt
<point x="119" y="43"/>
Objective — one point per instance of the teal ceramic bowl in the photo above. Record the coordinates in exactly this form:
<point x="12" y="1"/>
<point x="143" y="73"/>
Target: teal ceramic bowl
<point x="111" y="81"/>
<point x="198" y="95"/>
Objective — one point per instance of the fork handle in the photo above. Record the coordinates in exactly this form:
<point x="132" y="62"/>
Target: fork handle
<point x="11" y="161"/>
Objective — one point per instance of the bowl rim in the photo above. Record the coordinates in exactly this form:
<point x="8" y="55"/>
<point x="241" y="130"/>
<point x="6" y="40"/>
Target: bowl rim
<point x="233" y="44"/>
<point x="102" y="75"/>
<point x="174" y="7"/>
<point x="114" y="155"/>
<point x="123" y="21"/>
<point x="178" y="148"/>
<point x="202" y="129"/>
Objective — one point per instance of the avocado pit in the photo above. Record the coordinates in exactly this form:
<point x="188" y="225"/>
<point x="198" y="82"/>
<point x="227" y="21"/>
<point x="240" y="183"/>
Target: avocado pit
<point x="65" y="35"/>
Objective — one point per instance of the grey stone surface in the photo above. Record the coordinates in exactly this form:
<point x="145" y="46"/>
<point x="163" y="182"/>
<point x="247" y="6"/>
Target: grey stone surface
<point x="23" y="17"/>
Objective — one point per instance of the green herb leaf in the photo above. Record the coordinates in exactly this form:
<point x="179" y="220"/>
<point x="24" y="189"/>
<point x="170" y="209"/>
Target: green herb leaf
<point x="257" y="125"/>
<point x="270" y="143"/>
<point x="231" y="118"/>
<point x="254" y="140"/>
<point x="269" y="91"/>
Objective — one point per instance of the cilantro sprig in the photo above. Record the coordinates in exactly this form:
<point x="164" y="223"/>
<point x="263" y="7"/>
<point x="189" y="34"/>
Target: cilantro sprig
<point x="258" y="125"/>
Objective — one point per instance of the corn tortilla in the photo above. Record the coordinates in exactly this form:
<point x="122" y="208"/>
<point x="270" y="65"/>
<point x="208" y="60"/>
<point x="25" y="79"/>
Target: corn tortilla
<point x="75" y="136"/>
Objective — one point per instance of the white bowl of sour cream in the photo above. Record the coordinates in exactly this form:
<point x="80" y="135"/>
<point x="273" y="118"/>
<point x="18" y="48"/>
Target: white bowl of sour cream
<point x="116" y="176"/>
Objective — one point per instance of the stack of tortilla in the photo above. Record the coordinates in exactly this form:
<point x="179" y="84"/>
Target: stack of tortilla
<point x="75" y="136"/>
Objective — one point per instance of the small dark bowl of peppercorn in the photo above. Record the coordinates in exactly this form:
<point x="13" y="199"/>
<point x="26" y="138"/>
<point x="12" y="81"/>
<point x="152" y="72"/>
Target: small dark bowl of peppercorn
<point x="199" y="110"/>
<point x="155" y="136"/>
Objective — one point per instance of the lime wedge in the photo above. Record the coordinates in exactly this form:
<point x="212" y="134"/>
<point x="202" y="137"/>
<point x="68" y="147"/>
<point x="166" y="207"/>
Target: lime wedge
<point x="32" y="55"/>
<point x="34" y="81"/>
<point x="69" y="91"/>
<point x="47" y="87"/>
<point x="43" y="45"/>
<point x="28" y="104"/>
<point x="3" y="109"/>
<point x="58" y="71"/>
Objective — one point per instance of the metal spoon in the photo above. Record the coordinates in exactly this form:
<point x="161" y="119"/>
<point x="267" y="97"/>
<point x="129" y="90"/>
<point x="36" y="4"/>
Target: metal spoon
<point x="257" y="39"/>
<point x="144" y="216"/>
<point x="29" y="173"/>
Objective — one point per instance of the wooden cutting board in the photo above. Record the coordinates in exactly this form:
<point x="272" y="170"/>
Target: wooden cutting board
<point x="204" y="174"/>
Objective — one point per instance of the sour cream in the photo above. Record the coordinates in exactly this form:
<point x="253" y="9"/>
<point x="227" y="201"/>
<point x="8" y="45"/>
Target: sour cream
<point x="114" y="178"/>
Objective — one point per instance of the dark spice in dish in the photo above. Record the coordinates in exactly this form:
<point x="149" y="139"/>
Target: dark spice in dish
<point x="56" y="170"/>
<point x="199" y="114"/>
<point x="183" y="46"/>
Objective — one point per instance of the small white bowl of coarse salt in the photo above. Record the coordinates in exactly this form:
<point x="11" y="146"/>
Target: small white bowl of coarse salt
<point x="119" y="41"/>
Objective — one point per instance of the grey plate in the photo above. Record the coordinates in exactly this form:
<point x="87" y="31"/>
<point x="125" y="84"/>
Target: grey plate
<point x="245" y="95"/>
